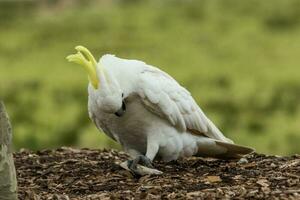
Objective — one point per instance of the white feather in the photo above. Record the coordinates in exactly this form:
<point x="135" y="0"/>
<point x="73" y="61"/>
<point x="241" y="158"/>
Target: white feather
<point x="159" y="112"/>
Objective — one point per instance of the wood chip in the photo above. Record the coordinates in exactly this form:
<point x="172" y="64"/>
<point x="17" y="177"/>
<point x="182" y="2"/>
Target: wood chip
<point x="263" y="182"/>
<point x="93" y="174"/>
<point x="213" y="179"/>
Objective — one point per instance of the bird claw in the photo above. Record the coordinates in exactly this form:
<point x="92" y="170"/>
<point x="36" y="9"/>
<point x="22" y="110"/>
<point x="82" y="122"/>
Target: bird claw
<point x="141" y="159"/>
<point x="140" y="166"/>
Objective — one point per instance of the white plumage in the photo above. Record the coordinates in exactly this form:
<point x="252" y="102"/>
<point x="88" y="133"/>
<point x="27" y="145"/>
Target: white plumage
<point x="162" y="120"/>
<point x="159" y="113"/>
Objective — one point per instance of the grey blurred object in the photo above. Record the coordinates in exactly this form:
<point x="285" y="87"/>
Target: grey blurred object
<point x="8" y="181"/>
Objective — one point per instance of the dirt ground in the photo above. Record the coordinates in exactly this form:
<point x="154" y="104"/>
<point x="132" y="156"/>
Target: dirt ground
<point x="67" y="173"/>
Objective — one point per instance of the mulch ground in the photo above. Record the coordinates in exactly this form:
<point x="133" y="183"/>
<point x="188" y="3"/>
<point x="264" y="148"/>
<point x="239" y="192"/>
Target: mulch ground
<point x="67" y="173"/>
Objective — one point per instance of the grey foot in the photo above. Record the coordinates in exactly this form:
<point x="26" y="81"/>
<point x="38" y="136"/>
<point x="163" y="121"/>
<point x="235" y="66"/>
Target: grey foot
<point x="142" y="160"/>
<point x="140" y="166"/>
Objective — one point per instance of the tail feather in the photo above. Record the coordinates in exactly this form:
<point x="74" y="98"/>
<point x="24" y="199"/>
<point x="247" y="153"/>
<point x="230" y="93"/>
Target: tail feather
<point x="220" y="149"/>
<point x="234" y="150"/>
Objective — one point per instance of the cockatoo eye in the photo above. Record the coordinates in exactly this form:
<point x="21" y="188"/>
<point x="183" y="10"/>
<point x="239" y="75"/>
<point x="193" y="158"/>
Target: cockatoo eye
<point x="122" y="110"/>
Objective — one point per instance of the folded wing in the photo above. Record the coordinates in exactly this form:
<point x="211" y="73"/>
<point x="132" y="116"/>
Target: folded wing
<point x="162" y="95"/>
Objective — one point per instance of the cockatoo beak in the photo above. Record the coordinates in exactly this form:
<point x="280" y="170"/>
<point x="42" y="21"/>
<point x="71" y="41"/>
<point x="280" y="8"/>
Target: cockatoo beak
<point x="84" y="58"/>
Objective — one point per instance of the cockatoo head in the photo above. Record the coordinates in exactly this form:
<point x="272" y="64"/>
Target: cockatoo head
<point x="103" y="87"/>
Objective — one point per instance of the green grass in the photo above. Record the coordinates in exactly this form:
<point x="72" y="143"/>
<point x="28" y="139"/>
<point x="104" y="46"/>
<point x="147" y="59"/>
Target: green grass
<point x="240" y="60"/>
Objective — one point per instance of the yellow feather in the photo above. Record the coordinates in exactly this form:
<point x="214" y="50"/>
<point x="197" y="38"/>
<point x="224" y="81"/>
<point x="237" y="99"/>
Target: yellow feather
<point x="84" y="58"/>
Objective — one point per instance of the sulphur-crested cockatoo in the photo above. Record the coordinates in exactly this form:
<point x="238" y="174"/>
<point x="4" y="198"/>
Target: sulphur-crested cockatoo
<point x="148" y="112"/>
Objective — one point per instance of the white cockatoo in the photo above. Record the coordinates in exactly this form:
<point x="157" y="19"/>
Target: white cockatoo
<point x="149" y="113"/>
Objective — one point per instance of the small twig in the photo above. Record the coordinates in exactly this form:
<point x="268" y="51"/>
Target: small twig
<point x="291" y="191"/>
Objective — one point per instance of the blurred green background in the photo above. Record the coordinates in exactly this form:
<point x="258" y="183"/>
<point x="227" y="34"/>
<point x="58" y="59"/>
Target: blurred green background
<point x="239" y="59"/>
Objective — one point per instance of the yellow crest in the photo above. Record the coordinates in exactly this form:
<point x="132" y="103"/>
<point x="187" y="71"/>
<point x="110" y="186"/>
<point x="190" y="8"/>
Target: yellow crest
<point x="84" y="58"/>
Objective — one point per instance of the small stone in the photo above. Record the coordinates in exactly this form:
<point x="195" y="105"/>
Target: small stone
<point x="242" y="161"/>
<point x="272" y="165"/>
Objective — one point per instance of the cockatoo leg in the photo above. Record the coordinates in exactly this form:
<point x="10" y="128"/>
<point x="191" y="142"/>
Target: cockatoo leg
<point x="138" y="169"/>
<point x="140" y="164"/>
<point x="142" y="160"/>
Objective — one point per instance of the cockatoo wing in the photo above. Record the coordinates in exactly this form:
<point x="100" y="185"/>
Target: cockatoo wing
<point x="162" y="95"/>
